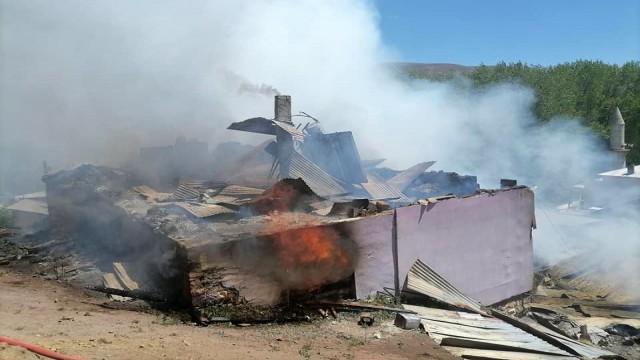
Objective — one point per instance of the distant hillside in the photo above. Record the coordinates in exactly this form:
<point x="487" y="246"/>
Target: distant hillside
<point x="429" y="70"/>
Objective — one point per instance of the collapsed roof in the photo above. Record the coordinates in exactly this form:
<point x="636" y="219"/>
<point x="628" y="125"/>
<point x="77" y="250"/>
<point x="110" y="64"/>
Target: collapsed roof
<point x="329" y="163"/>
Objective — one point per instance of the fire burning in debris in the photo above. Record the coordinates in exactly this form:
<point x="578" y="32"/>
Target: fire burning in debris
<point x="278" y="199"/>
<point x="314" y="256"/>
<point x="311" y="246"/>
<point x="285" y="196"/>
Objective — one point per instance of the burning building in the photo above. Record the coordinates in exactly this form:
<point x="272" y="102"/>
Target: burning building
<point x="310" y="218"/>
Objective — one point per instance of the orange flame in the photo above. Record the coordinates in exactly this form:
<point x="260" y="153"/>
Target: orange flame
<point x="312" y="256"/>
<point x="310" y="246"/>
<point x="281" y="197"/>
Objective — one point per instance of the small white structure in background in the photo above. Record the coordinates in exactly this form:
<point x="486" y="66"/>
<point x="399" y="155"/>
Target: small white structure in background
<point x="628" y="176"/>
<point x="616" y="138"/>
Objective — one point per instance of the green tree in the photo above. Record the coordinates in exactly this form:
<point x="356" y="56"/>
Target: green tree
<point x="588" y="90"/>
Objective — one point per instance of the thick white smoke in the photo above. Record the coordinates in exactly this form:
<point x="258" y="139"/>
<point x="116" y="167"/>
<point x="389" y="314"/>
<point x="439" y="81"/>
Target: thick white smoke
<point x="94" y="80"/>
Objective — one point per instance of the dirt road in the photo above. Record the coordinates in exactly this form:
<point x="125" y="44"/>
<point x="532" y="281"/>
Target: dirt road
<point x="57" y="316"/>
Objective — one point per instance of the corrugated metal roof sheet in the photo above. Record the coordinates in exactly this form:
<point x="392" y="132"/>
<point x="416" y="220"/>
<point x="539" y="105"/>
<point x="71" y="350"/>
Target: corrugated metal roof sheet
<point x="405" y="178"/>
<point x="150" y="193"/>
<point x="337" y="154"/>
<point x="469" y="353"/>
<point x="381" y="190"/>
<point x="204" y="210"/>
<point x="425" y="280"/>
<point x="319" y="181"/>
<point x="258" y="176"/>
<point x="297" y="134"/>
<point x="240" y="191"/>
<point x="223" y="199"/>
<point x="30" y="205"/>
<point x="204" y="185"/>
<point x="262" y="125"/>
<point x="185" y="191"/>
<point x="459" y="332"/>
<point x="574" y="346"/>
<point x="233" y="195"/>
<point x="192" y="189"/>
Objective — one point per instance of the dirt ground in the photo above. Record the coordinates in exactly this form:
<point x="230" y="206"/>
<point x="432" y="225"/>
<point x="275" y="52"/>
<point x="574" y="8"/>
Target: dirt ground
<point x="58" y="316"/>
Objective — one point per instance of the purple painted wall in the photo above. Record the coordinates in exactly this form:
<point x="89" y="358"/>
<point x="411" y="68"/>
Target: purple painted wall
<point x="375" y="269"/>
<point x="481" y="244"/>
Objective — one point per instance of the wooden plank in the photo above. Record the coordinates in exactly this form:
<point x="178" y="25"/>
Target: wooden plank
<point x="469" y="353"/>
<point x="124" y="277"/>
<point x="111" y="281"/>
<point x="359" y="305"/>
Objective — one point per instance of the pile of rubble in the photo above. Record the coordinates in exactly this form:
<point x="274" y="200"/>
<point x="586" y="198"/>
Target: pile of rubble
<point x="296" y="215"/>
<point x="289" y="216"/>
<point x="584" y="301"/>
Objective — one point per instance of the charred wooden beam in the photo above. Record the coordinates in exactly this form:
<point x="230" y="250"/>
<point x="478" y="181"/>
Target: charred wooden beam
<point x="356" y="306"/>
<point x="136" y="294"/>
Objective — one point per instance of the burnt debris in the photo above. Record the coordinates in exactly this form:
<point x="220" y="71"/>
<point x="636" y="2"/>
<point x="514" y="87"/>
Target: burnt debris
<point x="300" y="216"/>
<point x="300" y="226"/>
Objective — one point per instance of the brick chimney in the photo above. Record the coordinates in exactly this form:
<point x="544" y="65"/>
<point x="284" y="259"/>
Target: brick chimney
<point x="283" y="108"/>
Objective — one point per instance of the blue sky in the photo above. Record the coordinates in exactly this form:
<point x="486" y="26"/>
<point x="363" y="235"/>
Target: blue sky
<point x="544" y="32"/>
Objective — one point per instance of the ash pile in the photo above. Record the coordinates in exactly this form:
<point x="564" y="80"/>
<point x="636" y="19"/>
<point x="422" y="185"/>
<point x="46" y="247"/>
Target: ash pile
<point x="299" y="217"/>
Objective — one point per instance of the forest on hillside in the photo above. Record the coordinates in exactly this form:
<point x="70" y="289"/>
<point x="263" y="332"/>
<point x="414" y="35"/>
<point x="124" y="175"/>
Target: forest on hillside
<point x="588" y="90"/>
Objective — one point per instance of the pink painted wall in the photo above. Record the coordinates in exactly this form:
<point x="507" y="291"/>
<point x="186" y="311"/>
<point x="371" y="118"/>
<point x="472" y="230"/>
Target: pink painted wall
<point x="375" y="269"/>
<point x="481" y="244"/>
